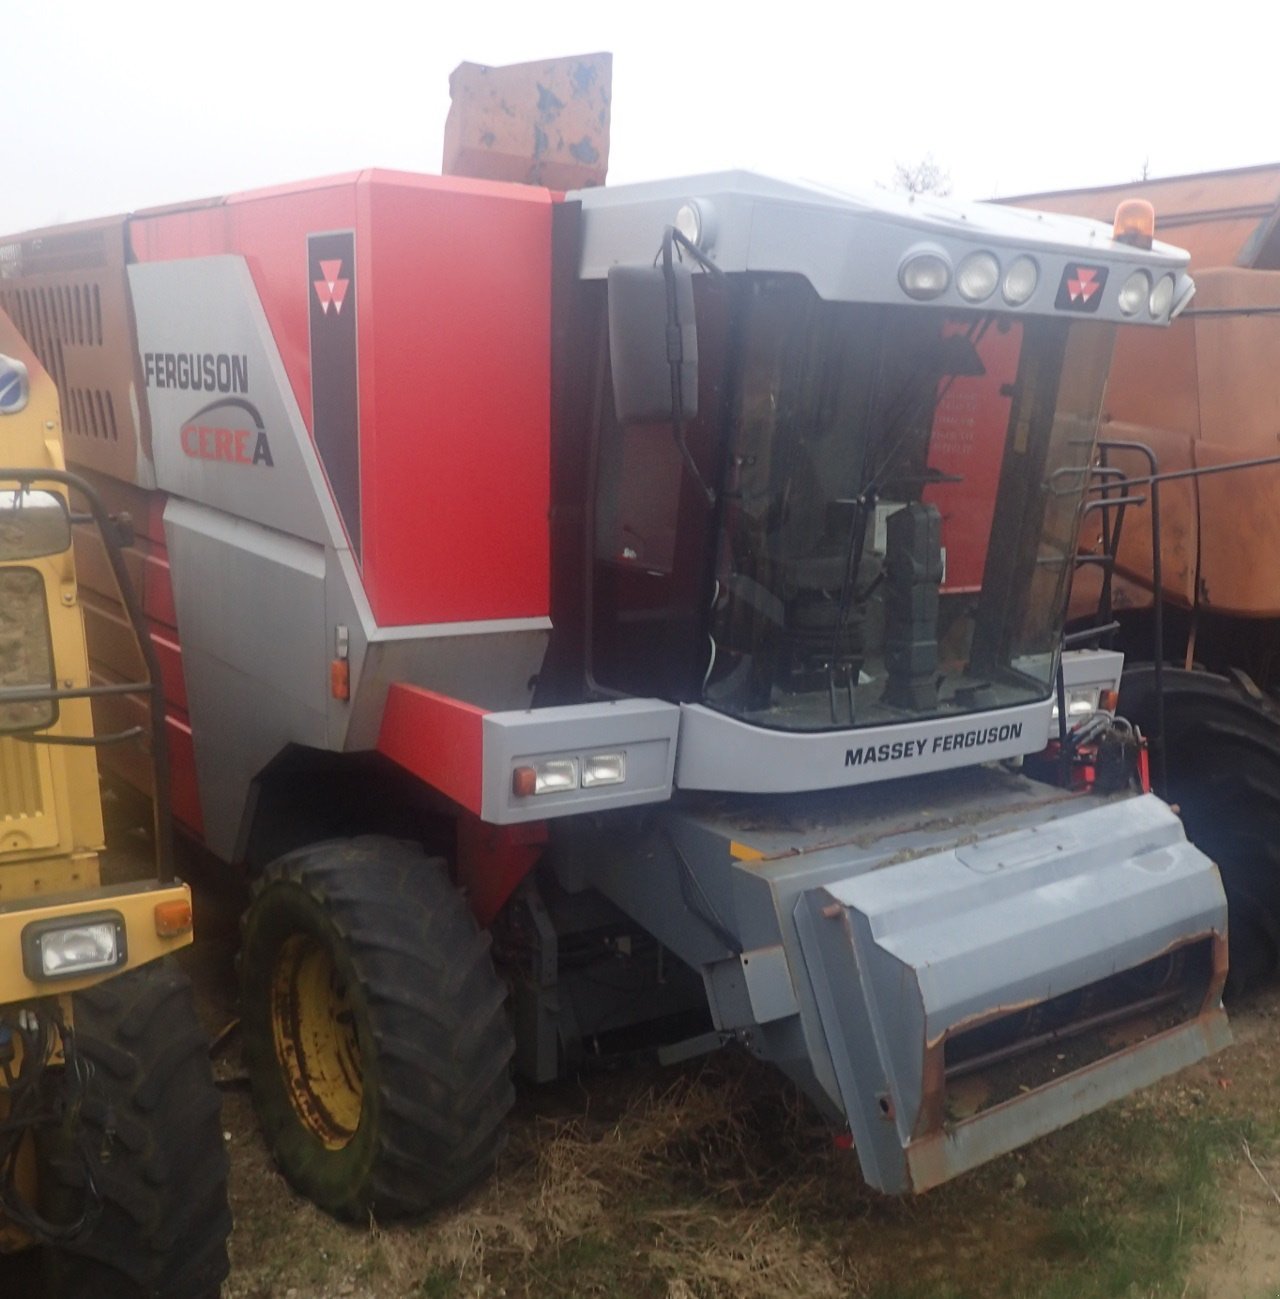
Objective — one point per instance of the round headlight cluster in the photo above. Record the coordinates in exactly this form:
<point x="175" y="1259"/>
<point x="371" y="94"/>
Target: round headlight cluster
<point x="1162" y="296"/>
<point x="1020" y="281"/>
<point x="1135" y="293"/>
<point x="925" y="276"/>
<point x="977" y="277"/>
<point x="1138" y="294"/>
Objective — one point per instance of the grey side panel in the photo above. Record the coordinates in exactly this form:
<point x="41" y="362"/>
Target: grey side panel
<point x="227" y="433"/>
<point x="251" y="606"/>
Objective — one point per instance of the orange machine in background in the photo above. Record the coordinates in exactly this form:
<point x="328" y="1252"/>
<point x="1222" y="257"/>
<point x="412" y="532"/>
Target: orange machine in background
<point x="1203" y="394"/>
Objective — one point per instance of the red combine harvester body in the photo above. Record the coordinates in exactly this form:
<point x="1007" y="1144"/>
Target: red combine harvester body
<point x="621" y="615"/>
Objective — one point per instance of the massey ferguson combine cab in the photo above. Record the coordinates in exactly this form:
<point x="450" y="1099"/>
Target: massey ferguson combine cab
<point x="620" y="617"/>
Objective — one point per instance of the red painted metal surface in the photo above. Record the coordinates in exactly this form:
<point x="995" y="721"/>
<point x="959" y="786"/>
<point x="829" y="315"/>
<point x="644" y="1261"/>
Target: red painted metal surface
<point x="436" y="738"/>
<point x="453" y="301"/>
<point x="493" y="859"/>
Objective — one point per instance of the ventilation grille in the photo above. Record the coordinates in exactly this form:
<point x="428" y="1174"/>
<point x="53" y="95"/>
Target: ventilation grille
<point x="21" y="790"/>
<point x="59" y="316"/>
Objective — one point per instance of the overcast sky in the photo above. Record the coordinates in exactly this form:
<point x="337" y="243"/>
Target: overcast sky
<point x="118" y="104"/>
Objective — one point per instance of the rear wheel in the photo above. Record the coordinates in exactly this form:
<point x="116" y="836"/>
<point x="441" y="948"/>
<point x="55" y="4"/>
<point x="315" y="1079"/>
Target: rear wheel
<point x="375" y="1028"/>
<point x="1222" y="747"/>
<point x="150" y="1122"/>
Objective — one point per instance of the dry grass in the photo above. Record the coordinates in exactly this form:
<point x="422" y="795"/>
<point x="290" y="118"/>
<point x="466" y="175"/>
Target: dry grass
<point x="722" y="1183"/>
<point x="606" y="1187"/>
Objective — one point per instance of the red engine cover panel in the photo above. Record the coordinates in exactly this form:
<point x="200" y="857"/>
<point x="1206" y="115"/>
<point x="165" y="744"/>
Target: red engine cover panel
<point x="452" y="293"/>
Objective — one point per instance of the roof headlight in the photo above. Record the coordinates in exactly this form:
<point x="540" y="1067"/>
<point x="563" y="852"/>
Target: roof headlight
<point x="1135" y="293"/>
<point x="977" y="277"/>
<point x="696" y="221"/>
<point x="1162" y="296"/>
<point x="925" y="276"/>
<point x="1020" y="281"/>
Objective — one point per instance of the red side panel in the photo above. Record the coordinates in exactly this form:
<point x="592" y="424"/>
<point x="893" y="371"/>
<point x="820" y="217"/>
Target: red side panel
<point x="455" y="423"/>
<point x="438" y="739"/>
<point x="452" y="290"/>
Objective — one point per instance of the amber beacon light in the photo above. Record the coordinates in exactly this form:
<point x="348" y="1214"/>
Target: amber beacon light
<point x="1135" y="223"/>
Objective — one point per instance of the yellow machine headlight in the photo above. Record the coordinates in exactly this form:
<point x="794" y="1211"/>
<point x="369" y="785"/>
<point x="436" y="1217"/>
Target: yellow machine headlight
<point x="71" y="946"/>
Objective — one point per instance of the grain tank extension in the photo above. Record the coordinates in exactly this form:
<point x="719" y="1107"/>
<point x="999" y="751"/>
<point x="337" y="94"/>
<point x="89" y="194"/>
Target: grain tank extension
<point x="620" y="615"/>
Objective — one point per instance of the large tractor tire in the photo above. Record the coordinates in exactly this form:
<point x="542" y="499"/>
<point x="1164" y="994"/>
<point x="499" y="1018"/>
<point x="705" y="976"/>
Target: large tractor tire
<point x="150" y="1123"/>
<point x="1222" y="751"/>
<point x="375" y="1029"/>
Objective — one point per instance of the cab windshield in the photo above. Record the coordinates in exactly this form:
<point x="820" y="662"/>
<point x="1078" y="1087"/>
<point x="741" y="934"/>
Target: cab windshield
<point x="899" y="509"/>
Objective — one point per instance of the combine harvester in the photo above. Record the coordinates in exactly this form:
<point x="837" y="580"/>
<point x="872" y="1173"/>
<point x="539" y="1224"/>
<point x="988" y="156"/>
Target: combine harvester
<point x="620" y="615"/>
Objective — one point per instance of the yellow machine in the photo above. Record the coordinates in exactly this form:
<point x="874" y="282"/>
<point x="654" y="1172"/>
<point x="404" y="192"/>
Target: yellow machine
<point x="111" y="1152"/>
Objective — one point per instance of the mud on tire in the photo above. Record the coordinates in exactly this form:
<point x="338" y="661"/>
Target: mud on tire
<point x="375" y="1029"/>
<point x="151" y="1111"/>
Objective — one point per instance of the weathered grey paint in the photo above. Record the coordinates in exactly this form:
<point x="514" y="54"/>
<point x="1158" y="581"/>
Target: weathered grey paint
<point x="894" y="913"/>
<point x="850" y="247"/>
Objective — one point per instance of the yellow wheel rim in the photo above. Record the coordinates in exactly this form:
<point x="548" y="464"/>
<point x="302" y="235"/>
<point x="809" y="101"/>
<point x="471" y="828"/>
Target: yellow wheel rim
<point x="314" y="1026"/>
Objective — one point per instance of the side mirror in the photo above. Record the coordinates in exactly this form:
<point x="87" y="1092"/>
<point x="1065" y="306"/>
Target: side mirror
<point x="643" y="343"/>
<point x="32" y="524"/>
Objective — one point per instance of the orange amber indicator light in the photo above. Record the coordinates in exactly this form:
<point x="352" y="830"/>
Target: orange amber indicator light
<point x="340" y="678"/>
<point x="1109" y="700"/>
<point x="173" y="918"/>
<point x="524" y="782"/>
<point x="1135" y="223"/>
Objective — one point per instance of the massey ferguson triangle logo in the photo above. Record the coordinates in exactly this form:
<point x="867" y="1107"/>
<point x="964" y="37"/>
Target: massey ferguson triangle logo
<point x="331" y="289"/>
<point x="1085" y="285"/>
<point x="1081" y="288"/>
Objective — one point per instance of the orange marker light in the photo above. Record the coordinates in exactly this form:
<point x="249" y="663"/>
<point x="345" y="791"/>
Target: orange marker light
<point x="524" y="782"/>
<point x="340" y="678"/>
<point x="1135" y="223"/>
<point x="1108" y="700"/>
<point x="173" y="918"/>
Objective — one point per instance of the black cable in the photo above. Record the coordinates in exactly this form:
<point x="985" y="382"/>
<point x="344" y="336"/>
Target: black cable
<point x="30" y="1109"/>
